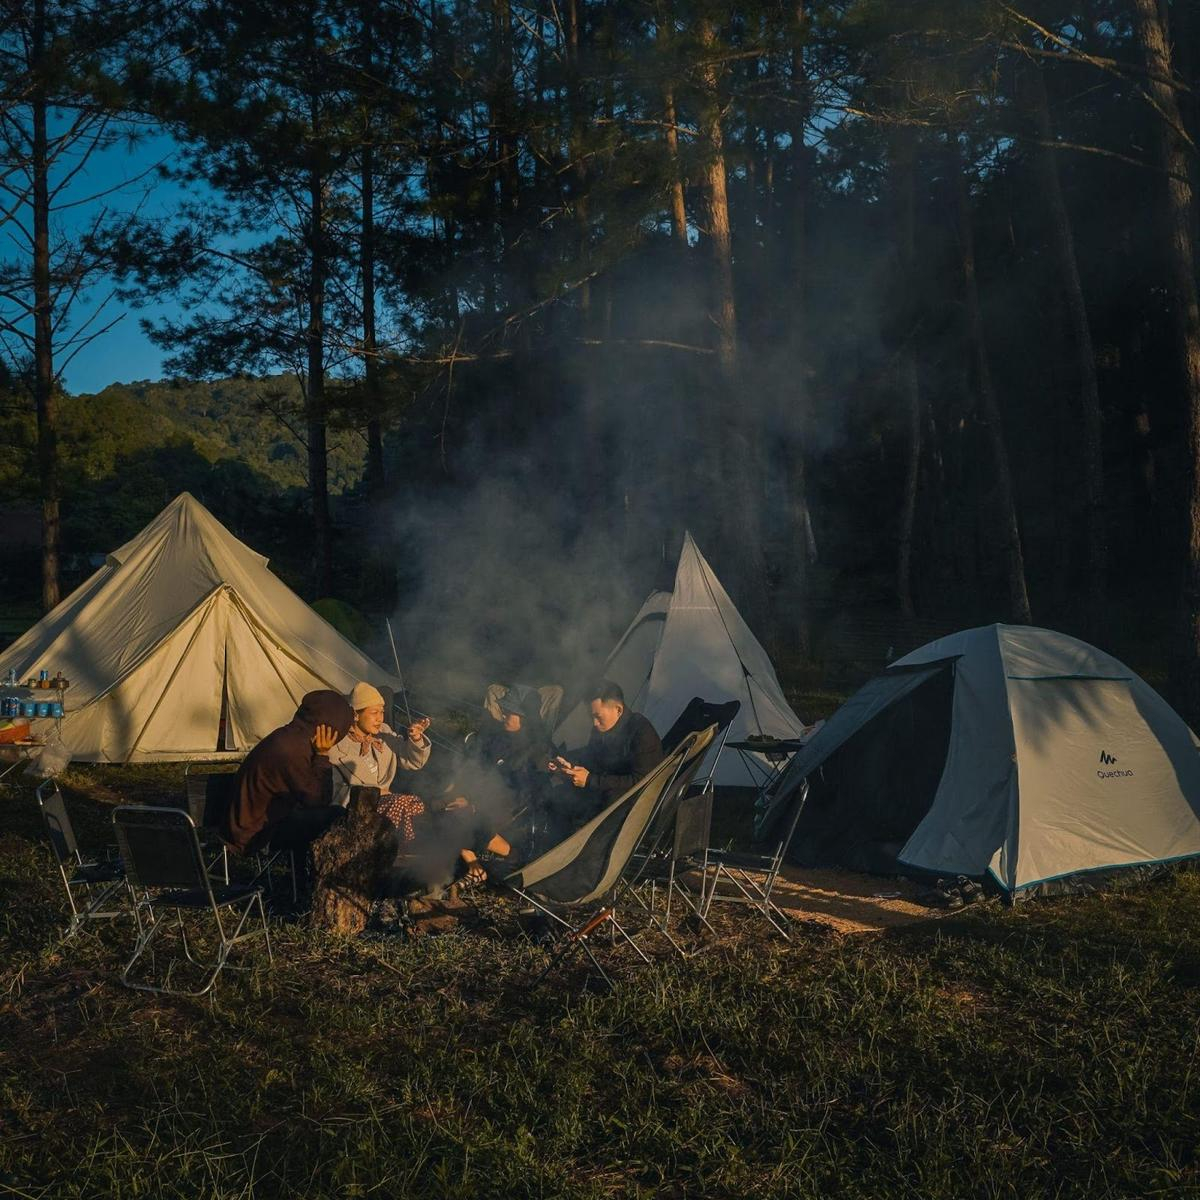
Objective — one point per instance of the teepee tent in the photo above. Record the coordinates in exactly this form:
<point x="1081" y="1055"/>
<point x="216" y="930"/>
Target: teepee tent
<point x="690" y="642"/>
<point x="1008" y="750"/>
<point x="183" y="644"/>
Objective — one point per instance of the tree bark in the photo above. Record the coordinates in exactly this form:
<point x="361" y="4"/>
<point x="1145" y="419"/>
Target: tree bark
<point x="1010" y="535"/>
<point x="315" y="409"/>
<point x="375" y="471"/>
<point x="1091" y="446"/>
<point x="735" y="469"/>
<point x="717" y="203"/>
<point x="1181" y="263"/>
<point x="794" y="620"/>
<point x="350" y="864"/>
<point x="43" y="325"/>
<point x="576" y="112"/>
<point x="904" y="168"/>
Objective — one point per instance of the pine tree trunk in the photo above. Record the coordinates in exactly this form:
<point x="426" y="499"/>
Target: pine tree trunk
<point x="43" y="327"/>
<point x="724" y="309"/>
<point x="1181" y="262"/>
<point x="315" y="415"/>
<point x="735" y="472"/>
<point x="577" y="115"/>
<point x="678" y="208"/>
<point x="1010" y="535"/>
<point x="793" y="622"/>
<point x="904" y="170"/>
<point x="1091" y="446"/>
<point x="375" y="472"/>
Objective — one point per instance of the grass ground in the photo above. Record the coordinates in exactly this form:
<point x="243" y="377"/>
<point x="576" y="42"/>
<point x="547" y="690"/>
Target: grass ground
<point x="1048" y="1050"/>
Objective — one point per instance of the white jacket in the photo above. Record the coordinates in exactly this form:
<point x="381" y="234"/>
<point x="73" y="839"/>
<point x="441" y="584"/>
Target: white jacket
<point x="376" y="768"/>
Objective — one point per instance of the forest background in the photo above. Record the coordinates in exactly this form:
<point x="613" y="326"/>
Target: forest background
<point x="471" y="309"/>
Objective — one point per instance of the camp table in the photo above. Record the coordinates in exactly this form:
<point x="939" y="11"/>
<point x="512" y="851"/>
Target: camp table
<point x="24" y="751"/>
<point x="776" y="751"/>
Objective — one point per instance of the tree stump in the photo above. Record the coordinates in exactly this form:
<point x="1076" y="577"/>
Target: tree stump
<point x="349" y="865"/>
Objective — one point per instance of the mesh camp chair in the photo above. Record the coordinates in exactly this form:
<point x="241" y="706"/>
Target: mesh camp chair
<point x="99" y="885"/>
<point x="207" y="796"/>
<point x="753" y="876"/>
<point x="578" y="883"/>
<point x="165" y="869"/>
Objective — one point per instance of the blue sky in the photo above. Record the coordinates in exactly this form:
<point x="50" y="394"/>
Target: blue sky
<point x="114" y="176"/>
<point x="124" y="353"/>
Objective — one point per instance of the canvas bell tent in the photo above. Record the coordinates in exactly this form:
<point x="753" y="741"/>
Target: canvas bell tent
<point x="181" y="645"/>
<point x="690" y="642"/>
<point x="1006" y="750"/>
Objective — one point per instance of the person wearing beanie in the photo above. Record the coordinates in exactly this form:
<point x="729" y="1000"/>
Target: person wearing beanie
<point x="371" y="752"/>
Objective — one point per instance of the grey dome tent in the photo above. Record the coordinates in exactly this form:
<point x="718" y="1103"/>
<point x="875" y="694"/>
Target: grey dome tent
<point x="1007" y="750"/>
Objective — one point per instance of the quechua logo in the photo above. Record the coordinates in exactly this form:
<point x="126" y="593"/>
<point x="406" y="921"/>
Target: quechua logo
<point x="1109" y="760"/>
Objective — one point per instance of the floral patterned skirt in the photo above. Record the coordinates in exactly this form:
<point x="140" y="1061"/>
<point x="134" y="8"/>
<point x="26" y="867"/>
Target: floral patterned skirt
<point x="401" y="810"/>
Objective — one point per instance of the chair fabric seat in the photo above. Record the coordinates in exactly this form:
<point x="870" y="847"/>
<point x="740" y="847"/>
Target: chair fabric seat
<point x="101" y="872"/>
<point x="225" y="893"/>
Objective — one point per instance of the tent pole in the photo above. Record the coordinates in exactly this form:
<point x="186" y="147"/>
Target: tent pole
<point x="399" y="673"/>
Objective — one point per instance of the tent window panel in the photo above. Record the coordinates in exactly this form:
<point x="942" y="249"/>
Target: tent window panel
<point x="870" y="795"/>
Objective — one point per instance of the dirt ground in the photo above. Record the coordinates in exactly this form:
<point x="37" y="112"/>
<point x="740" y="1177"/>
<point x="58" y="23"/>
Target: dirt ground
<point x="849" y="902"/>
<point x="844" y="901"/>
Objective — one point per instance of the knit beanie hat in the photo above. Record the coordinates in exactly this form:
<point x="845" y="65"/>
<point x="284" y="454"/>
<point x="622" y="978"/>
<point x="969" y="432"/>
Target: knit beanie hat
<point x="365" y="695"/>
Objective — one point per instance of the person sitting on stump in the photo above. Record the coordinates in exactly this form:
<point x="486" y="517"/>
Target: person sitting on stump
<point x="283" y="793"/>
<point x="623" y="748"/>
<point x="371" y="752"/>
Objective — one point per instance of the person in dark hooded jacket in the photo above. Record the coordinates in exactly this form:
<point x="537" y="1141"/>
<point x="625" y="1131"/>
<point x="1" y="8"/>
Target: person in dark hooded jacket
<point x="283" y="796"/>
<point x="624" y="747"/>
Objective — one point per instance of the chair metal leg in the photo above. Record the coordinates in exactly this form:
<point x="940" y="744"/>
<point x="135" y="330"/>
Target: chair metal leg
<point x="226" y="942"/>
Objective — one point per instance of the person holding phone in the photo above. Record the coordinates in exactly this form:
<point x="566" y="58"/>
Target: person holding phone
<point x="624" y="747"/>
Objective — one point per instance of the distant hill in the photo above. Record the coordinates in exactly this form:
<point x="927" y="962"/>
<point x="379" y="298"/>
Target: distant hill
<point x="129" y="450"/>
<point x="224" y="419"/>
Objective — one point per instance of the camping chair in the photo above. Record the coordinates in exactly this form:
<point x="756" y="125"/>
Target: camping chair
<point x="164" y="863"/>
<point x="685" y="842"/>
<point x="207" y="796"/>
<point x="585" y="875"/>
<point x="754" y="875"/>
<point x="700" y="714"/>
<point x="97" y="883"/>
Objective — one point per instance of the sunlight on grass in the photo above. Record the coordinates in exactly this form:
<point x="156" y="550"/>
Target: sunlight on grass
<point x="1050" y="1049"/>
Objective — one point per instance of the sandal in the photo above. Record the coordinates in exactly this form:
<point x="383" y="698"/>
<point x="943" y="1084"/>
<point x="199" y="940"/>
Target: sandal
<point x="475" y="877"/>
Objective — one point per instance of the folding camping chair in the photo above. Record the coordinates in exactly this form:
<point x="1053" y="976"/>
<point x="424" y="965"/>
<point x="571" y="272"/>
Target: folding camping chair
<point x="98" y="881"/>
<point x="207" y="796"/>
<point x="586" y="874"/>
<point x="165" y="868"/>
<point x="754" y="875"/>
<point x="685" y="844"/>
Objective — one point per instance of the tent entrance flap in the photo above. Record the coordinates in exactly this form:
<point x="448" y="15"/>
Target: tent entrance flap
<point x="871" y="793"/>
